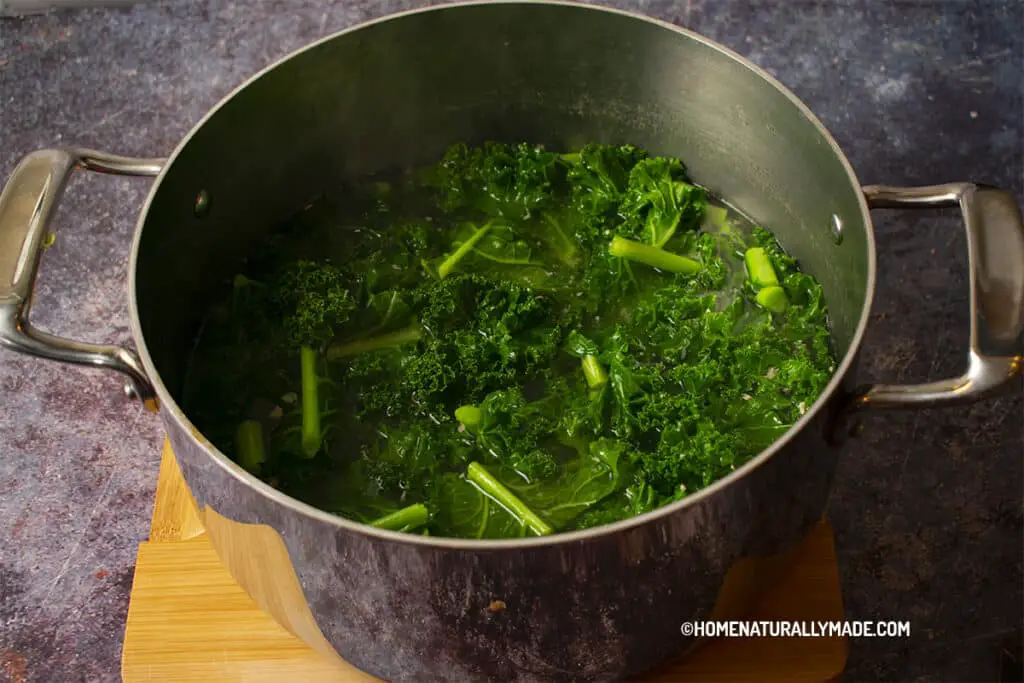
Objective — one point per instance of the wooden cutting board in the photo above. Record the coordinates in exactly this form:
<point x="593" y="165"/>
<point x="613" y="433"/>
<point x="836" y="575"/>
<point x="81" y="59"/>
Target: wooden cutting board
<point x="189" y="621"/>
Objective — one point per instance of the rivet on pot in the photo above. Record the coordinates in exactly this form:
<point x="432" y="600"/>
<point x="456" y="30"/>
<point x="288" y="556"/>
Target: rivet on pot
<point x="836" y="228"/>
<point x="129" y="392"/>
<point x="202" y="206"/>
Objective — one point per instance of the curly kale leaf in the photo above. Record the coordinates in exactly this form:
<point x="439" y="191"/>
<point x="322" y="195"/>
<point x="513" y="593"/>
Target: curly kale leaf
<point x="480" y="335"/>
<point x="515" y="432"/>
<point x="665" y="315"/>
<point x="314" y="301"/>
<point x="409" y="458"/>
<point x="616" y="405"/>
<point x="688" y="459"/>
<point x="608" y="278"/>
<point x="599" y="176"/>
<point x="318" y="302"/>
<point x="806" y="321"/>
<point x="509" y="181"/>
<point x="474" y="301"/>
<point x="713" y="273"/>
<point x="581" y="346"/>
<point x="636" y="498"/>
<point x="659" y="201"/>
<point x="732" y="381"/>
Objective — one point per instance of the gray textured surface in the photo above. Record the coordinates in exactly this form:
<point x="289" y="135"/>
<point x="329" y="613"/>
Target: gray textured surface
<point x="927" y="507"/>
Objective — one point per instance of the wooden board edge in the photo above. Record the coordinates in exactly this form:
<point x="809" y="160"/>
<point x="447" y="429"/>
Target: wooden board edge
<point x="175" y="516"/>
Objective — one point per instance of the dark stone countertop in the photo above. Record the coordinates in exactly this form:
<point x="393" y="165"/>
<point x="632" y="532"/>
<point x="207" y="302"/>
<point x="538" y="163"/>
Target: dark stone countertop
<point x="927" y="505"/>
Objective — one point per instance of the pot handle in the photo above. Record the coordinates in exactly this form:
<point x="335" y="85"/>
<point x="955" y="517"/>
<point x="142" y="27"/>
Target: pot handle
<point x="27" y="204"/>
<point x="995" y="253"/>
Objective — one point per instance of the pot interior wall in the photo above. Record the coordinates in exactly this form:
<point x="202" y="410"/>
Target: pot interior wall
<point x="396" y="93"/>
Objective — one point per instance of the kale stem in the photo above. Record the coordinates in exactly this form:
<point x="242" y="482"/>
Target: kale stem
<point x="311" y="436"/>
<point x="384" y="341"/>
<point x="652" y="256"/>
<point x="763" y="277"/>
<point x="594" y="372"/>
<point x="406" y="519"/>
<point x="464" y="248"/>
<point x="760" y="268"/>
<point x="470" y="416"/>
<point x="773" y="298"/>
<point x="249" y="444"/>
<point x="496" y="490"/>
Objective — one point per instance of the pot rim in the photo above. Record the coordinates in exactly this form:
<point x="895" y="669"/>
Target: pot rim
<point x="167" y="403"/>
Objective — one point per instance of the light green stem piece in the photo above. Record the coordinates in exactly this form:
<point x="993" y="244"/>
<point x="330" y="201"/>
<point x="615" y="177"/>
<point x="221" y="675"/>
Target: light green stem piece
<point x="406" y="519"/>
<point x="479" y="475"/>
<point x="384" y="341"/>
<point x="759" y="266"/>
<point x="655" y="257"/>
<point x="311" y="435"/>
<point x="773" y="298"/>
<point x="471" y="416"/>
<point x="249" y="445"/>
<point x="464" y="248"/>
<point x="594" y="372"/>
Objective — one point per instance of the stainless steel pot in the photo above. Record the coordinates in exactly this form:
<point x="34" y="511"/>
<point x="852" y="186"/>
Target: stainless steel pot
<point x="593" y="605"/>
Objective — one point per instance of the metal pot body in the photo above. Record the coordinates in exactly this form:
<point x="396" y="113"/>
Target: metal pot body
<point x="396" y="93"/>
<point x="591" y="606"/>
<point x="598" y="609"/>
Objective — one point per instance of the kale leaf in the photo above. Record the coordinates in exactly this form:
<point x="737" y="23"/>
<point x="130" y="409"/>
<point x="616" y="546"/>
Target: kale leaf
<point x="659" y="201"/>
<point x="510" y="181"/>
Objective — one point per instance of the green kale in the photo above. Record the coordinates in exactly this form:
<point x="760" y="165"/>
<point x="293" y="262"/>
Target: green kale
<point x="580" y="486"/>
<point x="513" y="342"/>
<point x="509" y="181"/>
<point x="608" y="279"/>
<point x="313" y="300"/>
<point x="659" y="201"/>
<point x="714" y="273"/>
<point x="464" y="510"/>
<point x="406" y="458"/>
<point x="783" y="263"/>
<point x="478" y="335"/>
<point x="514" y="432"/>
<point x="599" y="176"/>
